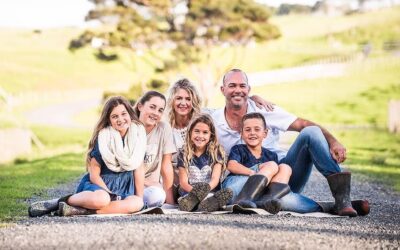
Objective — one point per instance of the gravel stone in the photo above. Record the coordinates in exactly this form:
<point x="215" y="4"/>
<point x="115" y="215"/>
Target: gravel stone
<point x="379" y="230"/>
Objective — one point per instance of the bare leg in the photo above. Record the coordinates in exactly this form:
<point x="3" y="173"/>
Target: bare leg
<point x="91" y="200"/>
<point x="283" y="175"/>
<point x="277" y="189"/>
<point x="268" y="169"/>
<point x="129" y="205"/>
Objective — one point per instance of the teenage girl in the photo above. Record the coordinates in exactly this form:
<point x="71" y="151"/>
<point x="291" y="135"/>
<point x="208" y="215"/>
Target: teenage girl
<point x="114" y="182"/>
<point x="159" y="149"/>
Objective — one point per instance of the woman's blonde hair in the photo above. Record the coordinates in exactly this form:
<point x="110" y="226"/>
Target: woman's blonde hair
<point x="214" y="149"/>
<point x="104" y="120"/>
<point x="184" y="84"/>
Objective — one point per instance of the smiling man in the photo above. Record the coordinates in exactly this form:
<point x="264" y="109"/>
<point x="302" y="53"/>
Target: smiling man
<point x="313" y="146"/>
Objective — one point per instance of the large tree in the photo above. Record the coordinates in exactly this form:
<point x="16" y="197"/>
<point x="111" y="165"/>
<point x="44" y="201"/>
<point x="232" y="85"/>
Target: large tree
<point x="178" y="32"/>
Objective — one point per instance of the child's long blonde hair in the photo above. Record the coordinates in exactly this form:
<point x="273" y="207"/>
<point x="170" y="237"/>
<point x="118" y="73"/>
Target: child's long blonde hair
<point x="104" y="120"/>
<point x="214" y="149"/>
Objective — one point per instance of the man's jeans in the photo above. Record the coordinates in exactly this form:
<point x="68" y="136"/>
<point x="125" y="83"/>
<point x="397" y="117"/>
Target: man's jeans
<point x="310" y="147"/>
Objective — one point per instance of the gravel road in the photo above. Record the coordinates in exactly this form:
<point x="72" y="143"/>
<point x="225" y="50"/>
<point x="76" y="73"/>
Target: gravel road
<point x="379" y="230"/>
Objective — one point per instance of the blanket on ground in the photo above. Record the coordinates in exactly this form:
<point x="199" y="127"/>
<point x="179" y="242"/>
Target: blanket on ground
<point x="231" y="209"/>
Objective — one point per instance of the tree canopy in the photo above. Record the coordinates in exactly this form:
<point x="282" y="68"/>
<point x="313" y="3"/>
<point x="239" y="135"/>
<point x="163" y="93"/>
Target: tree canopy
<point x="186" y="28"/>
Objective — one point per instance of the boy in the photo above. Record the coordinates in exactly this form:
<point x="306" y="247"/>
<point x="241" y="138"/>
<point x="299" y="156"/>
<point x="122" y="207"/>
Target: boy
<point x="253" y="167"/>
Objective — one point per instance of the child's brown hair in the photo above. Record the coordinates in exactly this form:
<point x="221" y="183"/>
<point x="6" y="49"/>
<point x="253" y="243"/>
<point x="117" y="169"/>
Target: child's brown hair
<point x="254" y="115"/>
<point x="214" y="149"/>
<point x="104" y="120"/>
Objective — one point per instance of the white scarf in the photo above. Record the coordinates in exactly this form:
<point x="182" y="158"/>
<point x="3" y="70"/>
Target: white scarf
<point x="121" y="157"/>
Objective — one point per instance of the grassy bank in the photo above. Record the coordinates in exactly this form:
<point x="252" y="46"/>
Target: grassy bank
<point x="22" y="180"/>
<point x="60" y="161"/>
<point x="41" y="61"/>
<point x="373" y="152"/>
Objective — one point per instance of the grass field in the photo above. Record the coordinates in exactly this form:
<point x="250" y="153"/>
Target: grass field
<point x="358" y="98"/>
<point x="41" y="61"/>
<point x="20" y="181"/>
<point x="373" y="152"/>
<point x="353" y="106"/>
<point x="61" y="160"/>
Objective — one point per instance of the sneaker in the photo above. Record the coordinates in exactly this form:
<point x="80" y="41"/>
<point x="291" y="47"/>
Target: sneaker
<point x="217" y="201"/>
<point x="193" y="198"/>
<point x="67" y="210"/>
<point x="41" y="208"/>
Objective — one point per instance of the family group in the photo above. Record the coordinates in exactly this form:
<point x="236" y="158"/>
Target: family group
<point x="170" y="150"/>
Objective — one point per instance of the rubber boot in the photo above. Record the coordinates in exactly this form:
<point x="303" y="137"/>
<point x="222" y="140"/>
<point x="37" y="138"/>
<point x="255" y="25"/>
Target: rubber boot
<point x="339" y="184"/>
<point x="217" y="201"/>
<point x="270" y="200"/>
<point x="251" y="190"/>
<point x="67" y="210"/>
<point x="194" y="197"/>
<point x="361" y="206"/>
<point x="41" y="208"/>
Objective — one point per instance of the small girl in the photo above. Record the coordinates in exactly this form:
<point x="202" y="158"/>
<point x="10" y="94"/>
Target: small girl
<point x="200" y="168"/>
<point x="115" y="180"/>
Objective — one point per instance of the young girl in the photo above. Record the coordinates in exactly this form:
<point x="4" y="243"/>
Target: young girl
<point x="160" y="147"/>
<point x="200" y="168"/>
<point x="114" y="183"/>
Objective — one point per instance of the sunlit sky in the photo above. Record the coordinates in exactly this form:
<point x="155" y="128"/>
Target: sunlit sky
<point x="59" y="13"/>
<point x="43" y="13"/>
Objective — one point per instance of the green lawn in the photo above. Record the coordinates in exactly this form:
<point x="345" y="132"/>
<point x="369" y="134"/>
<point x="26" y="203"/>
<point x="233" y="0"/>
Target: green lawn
<point x="374" y="152"/>
<point x="20" y="181"/>
<point x="62" y="160"/>
<point x="358" y="98"/>
<point x="42" y="62"/>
